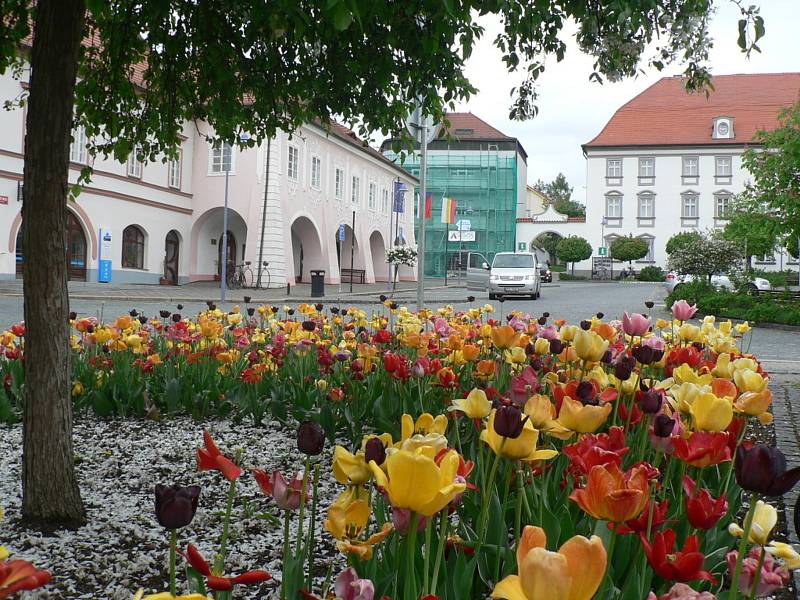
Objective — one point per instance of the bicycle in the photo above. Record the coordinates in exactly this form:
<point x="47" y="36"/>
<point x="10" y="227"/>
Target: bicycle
<point x="241" y="277"/>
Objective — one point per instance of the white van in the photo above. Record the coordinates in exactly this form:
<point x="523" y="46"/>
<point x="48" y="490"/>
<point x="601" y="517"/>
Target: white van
<point x="511" y="274"/>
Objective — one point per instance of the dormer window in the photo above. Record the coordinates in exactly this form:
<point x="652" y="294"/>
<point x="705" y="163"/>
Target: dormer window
<point x="723" y="128"/>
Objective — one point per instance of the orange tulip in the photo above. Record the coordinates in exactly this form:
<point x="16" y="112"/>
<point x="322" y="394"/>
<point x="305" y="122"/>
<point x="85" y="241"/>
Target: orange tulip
<point x="613" y="495"/>
<point x="485" y="369"/>
<point x="505" y="337"/>
<point x="470" y="352"/>
<point x="723" y="388"/>
<point x="605" y="331"/>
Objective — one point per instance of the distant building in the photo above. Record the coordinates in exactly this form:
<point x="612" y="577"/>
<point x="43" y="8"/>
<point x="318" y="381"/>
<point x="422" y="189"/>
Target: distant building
<point x="669" y="161"/>
<point x="485" y="171"/>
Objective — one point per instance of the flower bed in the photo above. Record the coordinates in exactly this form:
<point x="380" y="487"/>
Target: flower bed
<point x="525" y="459"/>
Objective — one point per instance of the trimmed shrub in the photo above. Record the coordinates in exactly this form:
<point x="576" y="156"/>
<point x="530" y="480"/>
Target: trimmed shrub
<point x="651" y="273"/>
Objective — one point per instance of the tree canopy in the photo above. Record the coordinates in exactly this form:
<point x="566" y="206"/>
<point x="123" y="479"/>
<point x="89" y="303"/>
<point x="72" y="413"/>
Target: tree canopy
<point x="573" y="249"/>
<point x="679" y="240"/>
<point x="628" y="248"/>
<point x="559" y="192"/>
<point x="754" y="232"/>
<point x="704" y="256"/>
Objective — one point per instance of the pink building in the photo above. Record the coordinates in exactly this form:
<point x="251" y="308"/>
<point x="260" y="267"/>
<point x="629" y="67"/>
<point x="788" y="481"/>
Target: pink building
<point x="163" y="222"/>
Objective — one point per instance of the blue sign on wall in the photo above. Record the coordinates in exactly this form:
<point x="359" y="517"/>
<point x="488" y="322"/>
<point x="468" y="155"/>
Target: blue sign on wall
<point x="341" y="232"/>
<point x="104" y="262"/>
<point x="399" y="196"/>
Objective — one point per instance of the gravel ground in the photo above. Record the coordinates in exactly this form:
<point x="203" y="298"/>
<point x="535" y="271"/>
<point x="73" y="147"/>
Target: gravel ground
<point x="122" y="547"/>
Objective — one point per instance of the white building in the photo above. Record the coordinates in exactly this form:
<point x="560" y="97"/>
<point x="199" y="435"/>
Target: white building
<point x="165" y="219"/>
<point x="669" y="161"/>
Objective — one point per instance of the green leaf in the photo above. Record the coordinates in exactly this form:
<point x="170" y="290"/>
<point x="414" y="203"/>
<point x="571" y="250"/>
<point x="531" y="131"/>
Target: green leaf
<point x="341" y="17"/>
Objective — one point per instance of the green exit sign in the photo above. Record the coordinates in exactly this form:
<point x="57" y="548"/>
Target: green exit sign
<point x="602" y="251"/>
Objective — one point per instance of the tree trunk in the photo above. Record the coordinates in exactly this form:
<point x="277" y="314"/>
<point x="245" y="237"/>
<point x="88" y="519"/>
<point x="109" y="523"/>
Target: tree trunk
<point x="50" y="493"/>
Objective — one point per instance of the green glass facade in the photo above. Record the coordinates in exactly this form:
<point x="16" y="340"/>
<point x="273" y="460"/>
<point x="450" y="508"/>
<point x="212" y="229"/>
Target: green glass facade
<point x="484" y="185"/>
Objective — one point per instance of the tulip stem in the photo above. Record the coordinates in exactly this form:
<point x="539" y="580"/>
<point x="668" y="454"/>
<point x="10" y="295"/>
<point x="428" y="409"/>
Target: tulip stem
<point x="303" y="497"/>
<point x="608" y="580"/>
<point x="173" y="545"/>
<point x="757" y="576"/>
<point x="443" y="524"/>
<point x="223" y="544"/>
<point x="426" y="569"/>
<point x="286" y="547"/>
<point x="410" y="591"/>
<point x="312" y="526"/>
<point x="733" y="593"/>
<point x="518" y="515"/>
<point x="487" y="493"/>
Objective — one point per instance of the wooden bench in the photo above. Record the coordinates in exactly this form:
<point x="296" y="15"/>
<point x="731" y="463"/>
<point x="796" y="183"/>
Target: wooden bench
<point x="353" y="275"/>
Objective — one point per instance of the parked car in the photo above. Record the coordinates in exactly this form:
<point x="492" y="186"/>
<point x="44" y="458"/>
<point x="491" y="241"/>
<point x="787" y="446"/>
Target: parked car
<point x="673" y="280"/>
<point x="510" y="274"/>
<point x="545" y="275"/>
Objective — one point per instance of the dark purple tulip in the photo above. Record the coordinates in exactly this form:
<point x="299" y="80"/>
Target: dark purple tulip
<point x="650" y="401"/>
<point x="545" y="314"/>
<point x="274" y="309"/>
<point x="176" y="505"/>
<point x="310" y="438"/>
<point x="508" y="422"/>
<point x="644" y="354"/>
<point x="624" y="366"/>
<point x="290" y="312"/>
<point x="382" y="298"/>
<point x="177" y="317"/>
<point x="309" y="325"/>
<point x="607" y="356"/>
<point x="470" y="299"/>
<point x="142" y="319"/>
<point x="600" y="315"/>
<point x="246" y="299"/>
<point x="318" y="307"/>
<point x="556" y="346"/>
<point x="663" y="426"/>
<point x="649" y="304"/>
<point x="542" y="320"/>
<point x="179" y="307"/>
<point x="164" y="314"/>
<point x="585" y="393"/>
<point x="762" y="469"/>
<point x="393" y="305"/>
<point x="374" y="450"/>
<point x="73" y="315"/>
<point x="586" y="325"/>
<point x="134" y="313"/>
<point x="251" y="311"/>
<point x="209" y="303"/>
<point x="335" y="310"/>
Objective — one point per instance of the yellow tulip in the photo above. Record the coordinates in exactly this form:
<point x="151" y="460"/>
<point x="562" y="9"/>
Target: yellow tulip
<point x="515" y="356"/>
<point x="755" y="404"/>
<point x="686" y="393"/>
<point x="167" y="596"/>
<point x="589" y="346"/>
<point x="504" y="337"/>
<point x="582" y="419"/>
<point x="711" y="413"/>
<point x="689" y="332"/>
<point x="575" y="572"/>
<point x="476" y="405"/>
<point x="790" y="556"/>
<point x="541" y="346"/>
<point x="764" y="520"/>
<point x="542" y="416"/>
<point x="725" y="327"/>
<point x="347" y="521"/>
<point x="349" y="468"/>
<point x="414" y="481"/>
<point x="745" y="364"/>
<point x="685" y="373"/>
<point x="749" y="381"/>
<point x="522" y="447"/>
<point x="723" y="368"/>
<point x="742" y="328"/>
<point x="662" y="324"/>
<point x="77" y="389"/>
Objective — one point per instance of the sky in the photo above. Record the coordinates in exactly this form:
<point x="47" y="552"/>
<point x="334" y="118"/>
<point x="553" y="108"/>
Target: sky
<point x="572" y="110"/>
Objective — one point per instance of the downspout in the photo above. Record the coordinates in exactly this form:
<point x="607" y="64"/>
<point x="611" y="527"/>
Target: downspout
<point x="264" y="214"/>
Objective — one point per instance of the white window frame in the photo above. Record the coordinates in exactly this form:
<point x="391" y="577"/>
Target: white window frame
<point x="651" y="198"/>
<point x="316" y="173"/>
<point x="617" y="165"/>
<point x="293" y="162"/>
<point x="355" y="190"/>
<point x="339" y="185"/>
<point x="685" y="203"/>
<point x="174" y="171"/>
<point x="384" y="200"/>
<point x="651" y="243"/>
<point x="77" y="148"/>
<point x="216" y="159"/>
<point x="644" y="161"/>
<point x="617" y="198"/>
<point x="722" y="160"/>
<point x="372" y="197"/>
<point x="684" y="164"/>
<point x="134" y="167"/>
<point x="719" y="199"/>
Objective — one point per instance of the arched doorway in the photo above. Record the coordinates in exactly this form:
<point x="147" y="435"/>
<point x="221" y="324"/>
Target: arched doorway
<point x="345" y="247"/>
<point x="172" y="245"/>
<point x="544" y="245"/>
<point x="76" y="250"/>
<point x="377" y="247"/>
<point x="230" y="254"/>
<point x="306" y="249"/>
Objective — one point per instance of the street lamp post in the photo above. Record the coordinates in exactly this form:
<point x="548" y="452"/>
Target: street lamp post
<point x="223" y="287"/>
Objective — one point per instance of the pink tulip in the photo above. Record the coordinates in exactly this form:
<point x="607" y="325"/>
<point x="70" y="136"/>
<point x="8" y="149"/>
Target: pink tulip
<point x="286" y="494"/>
<point x="655" y="342"/>
<point x="681" y="591"/>
<point x="401" y="519"/>
<point x="772" y="576"/>
<point x="635" y="325"/>
<point x="348" y="586"/>
<point x="683" y="311"/>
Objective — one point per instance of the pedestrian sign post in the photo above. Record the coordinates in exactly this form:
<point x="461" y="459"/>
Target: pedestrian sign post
<point x="602" y="251"/>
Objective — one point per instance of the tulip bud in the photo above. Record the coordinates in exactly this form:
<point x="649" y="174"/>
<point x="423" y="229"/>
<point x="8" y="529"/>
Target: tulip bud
<point x="73" y="315"/>
<point x="600" y="315"/>
<point x="649" y="304"/>
<point x="542" y="320"/>
<point x="164" y="314"/>
<point x="508" y="422"/>
<point x="545" y="314"/>
<point x="133" y="313"/>
<point x="310" y="438"/>
<point x="246" y="299"/>
<point x="556" y="346"/>
<point x="176" y="318"/>
<point x="176" y="505"/>
<point x="179" y="307"/>
<point x="374" y="450"/>
<point x="318" y="306"/>
<point x="290" y="312"/>
<point x="586" y="325"/>
<point x="650" y="401"/>
<point x="382" y="298"/>
<point x="762" y="469"/>
<point x="142" y="319"/>
<point x="663" y="425"/>
<point x="251" y="311"/>
<point x="309" y="326"/>
<point x="470" y="299"/>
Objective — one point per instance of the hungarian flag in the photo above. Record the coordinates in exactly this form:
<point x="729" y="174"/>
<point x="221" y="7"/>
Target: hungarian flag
<point x="428" y="205"/>
<point x="448" y="210"/>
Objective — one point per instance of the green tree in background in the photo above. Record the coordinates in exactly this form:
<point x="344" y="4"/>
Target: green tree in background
<point x="754" y="232"/>
<point x="705" y="256"/>
<point x="679" y="240"/>
<point x="628" y="248"/>
<point x="573" y="249"/>
<point x="256" y="67"/>
<point x="559" y="193"/>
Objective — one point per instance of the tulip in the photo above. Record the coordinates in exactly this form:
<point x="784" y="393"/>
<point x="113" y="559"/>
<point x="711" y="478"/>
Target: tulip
<point x="702" y="449"/>
<point x="504" y="337"/>
<point x="310" y="438"/>
<point x="348" y="586"/>
<point x="345" y="522"/>
<point x="681" y="591"/>
<point x="217" y="581"/>
<point x="749" y="381"/>
<point x="167" y="596"/>
<point x="176" y="505"/>
<point x="475" y="405"/>
<point x="19" y="575"/>
<point x="286" y="494"/>
<point x="507" y="422"/>
<point x="711" y="413"/>
<point x="703" y="510"/>
<point x="635" y="325"/>
<point x="374" y="449"/>
<point x="210" y="458"/>
<point x="424" y="425"/>
<point x="786" y="552"/>
<point x="575" y="572"/>
<point x="414" y="481"/>
<point x="646" y="521"/>
<point x="771" y="578"/>
<point x="612" y="495"/>
<point x="755" y="404"/>
<point x="650" y="400"/>
<point x="596" y="449"/>
<point x="765" y="517"/>
<point x="541" y="346"/>
<point x="682" y="311"/>
<point x="349" y="468"/>
<point x="521" y="447"/>
<point x="671" y="564"/>
<point x="582" y="418"/>
<point x="762" y="469"/>
<point x="589" y="346"/>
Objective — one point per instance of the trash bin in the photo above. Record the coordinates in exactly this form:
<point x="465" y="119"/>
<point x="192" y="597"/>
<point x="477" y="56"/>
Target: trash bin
<point x="317" y="284"/>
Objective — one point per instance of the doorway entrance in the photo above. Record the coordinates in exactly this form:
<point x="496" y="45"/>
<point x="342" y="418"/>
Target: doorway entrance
<point x="230" y="254"/>
<point x="171" y="254"/>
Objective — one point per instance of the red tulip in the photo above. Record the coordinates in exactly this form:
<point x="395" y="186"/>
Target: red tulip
<point x="18" y="575"/>
<point x="640" y="524"/>
<point x="674" y="565"/>
<point x="703" y="448"/>
<point x="703" y="510"/>
<point x="596" y="449"/>
<point x="220" y="582"/>
<point x="286" y="494"/>
<point x="210" y="458"/>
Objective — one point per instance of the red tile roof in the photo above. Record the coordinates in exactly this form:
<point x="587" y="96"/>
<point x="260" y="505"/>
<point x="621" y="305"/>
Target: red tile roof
<point x="665" y="114"/>
<point x="466" y="126"/>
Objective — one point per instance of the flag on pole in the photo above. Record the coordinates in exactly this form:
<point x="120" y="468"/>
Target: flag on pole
<point x="428" y="205"/>
<point x="448" y="210"/>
